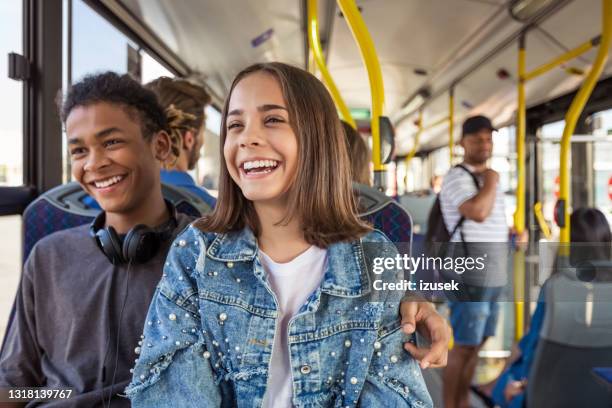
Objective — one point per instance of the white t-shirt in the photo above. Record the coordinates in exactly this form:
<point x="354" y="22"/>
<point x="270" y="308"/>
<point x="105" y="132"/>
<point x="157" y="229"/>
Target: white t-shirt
<point x="457" y="188"/>
<point x="292" y="282"/>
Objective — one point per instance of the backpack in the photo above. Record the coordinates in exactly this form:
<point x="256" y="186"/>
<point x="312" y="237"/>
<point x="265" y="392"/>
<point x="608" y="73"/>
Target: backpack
<point x="436" y="227"/>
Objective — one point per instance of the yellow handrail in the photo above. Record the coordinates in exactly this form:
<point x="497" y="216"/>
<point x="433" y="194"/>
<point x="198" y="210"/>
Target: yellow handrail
<point x="574" y="112"/>
<point x="571" y="54"/>
<point x="370" y="59"/>
<point x="317" y="52"/>
<point x="519" y="293"/>
<point x="519" y="214"/>
<point x="436" y="123"/>
<point x="537" y="210"/>
<point x="417" y="137"/>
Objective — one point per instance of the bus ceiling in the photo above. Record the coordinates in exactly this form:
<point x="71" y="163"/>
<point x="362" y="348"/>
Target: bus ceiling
<point x="416" y="52"/>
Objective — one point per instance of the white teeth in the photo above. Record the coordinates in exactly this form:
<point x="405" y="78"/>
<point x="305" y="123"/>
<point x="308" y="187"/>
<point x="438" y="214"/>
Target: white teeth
<point x="254" y="164"/>
<point x="108" y="182"/>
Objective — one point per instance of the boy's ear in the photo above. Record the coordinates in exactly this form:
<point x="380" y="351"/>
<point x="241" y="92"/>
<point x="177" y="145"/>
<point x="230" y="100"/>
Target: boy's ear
<point x="161" y="145"/>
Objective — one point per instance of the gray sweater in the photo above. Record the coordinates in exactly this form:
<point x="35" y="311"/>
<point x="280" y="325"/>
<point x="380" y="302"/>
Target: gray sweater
<point x="66" y="331"/>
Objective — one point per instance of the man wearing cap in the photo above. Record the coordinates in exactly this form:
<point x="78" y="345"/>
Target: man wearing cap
<point x="472" y="205"/>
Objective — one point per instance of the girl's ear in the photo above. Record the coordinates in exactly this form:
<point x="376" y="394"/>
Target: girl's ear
<point x="161" y="145"/>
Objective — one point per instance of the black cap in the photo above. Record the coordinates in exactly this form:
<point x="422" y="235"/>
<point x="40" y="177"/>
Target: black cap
<point x="476" y="124"/>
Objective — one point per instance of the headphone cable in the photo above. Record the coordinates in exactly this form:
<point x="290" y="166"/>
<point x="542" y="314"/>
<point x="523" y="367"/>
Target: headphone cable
<point x="125" y="296"/>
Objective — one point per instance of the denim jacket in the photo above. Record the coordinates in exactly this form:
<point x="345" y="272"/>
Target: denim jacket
<point x="209" y="333"/>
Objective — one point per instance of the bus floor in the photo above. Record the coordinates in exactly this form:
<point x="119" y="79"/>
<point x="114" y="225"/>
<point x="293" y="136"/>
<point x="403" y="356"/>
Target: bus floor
<point x="433" y="379"/>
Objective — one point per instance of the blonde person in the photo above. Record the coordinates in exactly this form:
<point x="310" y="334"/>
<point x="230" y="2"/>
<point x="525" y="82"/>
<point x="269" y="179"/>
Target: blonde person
<point x="184" y="104"/>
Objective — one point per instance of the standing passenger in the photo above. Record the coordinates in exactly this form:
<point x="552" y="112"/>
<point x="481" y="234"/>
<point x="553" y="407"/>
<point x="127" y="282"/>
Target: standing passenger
<point x="267" y="300"/>
<point x="473" y="214"/>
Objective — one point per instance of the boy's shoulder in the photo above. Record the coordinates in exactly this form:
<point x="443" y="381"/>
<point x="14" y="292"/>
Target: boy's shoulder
<point x="65" y="239"/>
<point x="62" y="250"/>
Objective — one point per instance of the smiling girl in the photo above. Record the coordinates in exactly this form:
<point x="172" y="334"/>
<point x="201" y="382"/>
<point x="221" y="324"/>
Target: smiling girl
<point x="268" y="301"/>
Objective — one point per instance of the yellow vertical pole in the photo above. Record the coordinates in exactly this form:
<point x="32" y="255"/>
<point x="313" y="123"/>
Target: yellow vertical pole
<point x="317" y="52"/>
<point x="370" y="59"/>
<point x="417" y="138"/>
<point x="521" y="124"/>
<point x="519" y="214"/>
<point x="571" y="118"/>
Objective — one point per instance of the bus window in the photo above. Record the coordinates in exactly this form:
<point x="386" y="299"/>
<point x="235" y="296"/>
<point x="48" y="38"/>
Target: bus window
<point x="602" y="167"/>
<point x="504" y="162"/>
<point x="208" y="165"/>
<point x="11" y="105"/>
<point x="151" y="68"/>
<point x="96" y="44"/>
<point x="11" y="154"/>
<point x="550" y="151"/>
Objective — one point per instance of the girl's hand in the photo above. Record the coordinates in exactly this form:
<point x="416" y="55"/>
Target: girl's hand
<point x="422" y="316"/>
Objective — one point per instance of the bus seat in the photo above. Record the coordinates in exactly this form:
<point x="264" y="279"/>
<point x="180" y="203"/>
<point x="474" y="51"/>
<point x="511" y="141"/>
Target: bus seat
<point x="419" y="207"/>
<point x="61" y="208"/>
<point x="384" y="214"/>
<point x="576" y="337"/>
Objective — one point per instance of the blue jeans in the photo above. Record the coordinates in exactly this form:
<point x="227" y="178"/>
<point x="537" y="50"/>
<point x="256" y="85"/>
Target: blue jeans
<point x="473" y="321"/>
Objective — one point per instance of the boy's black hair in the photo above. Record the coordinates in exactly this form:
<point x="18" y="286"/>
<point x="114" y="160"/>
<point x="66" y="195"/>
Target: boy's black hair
<point x="119" y="89"/>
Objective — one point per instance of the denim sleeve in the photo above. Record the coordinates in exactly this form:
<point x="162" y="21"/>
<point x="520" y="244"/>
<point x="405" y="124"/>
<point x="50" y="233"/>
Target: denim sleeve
<point x="394" y="378"/>
<point x="173" y="369"/>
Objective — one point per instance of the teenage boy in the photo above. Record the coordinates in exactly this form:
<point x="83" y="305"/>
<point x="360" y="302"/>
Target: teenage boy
<point x="85" y="291"/>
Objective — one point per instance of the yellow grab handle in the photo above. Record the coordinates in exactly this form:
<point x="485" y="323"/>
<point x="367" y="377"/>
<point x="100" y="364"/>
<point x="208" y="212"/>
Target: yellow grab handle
<point x="417" y="137"/>
<point x="519" y="214"/>
<point x="317" y="52"/>
<point x="574" y="112"/>
<point x="368" y="54"/>
<point x="571" y="54"/>
<point x="537" y="210"/>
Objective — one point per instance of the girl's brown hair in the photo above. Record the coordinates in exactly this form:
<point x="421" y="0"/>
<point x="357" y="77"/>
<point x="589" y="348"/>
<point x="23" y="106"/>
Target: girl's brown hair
<point x="183" y="104"/>
<point x="321" y="195"/>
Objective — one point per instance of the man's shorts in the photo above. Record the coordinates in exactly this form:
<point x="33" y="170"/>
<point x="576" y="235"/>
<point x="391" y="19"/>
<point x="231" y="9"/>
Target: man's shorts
<point x="474" y="321"/>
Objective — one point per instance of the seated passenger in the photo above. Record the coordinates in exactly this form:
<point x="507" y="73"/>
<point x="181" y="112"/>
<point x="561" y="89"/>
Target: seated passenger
<point x="586" y="225"/>
<point x="268" y="300"/>
<point x="359" y="155"/>
<point x="85" y="291"/>
<point x="184" y="105"/>
<point x="435" y="327"/>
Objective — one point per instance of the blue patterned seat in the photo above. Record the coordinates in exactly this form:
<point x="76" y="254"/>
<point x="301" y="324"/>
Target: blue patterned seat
<point x="385" y="214"/>
<point x="61" y="208"/>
